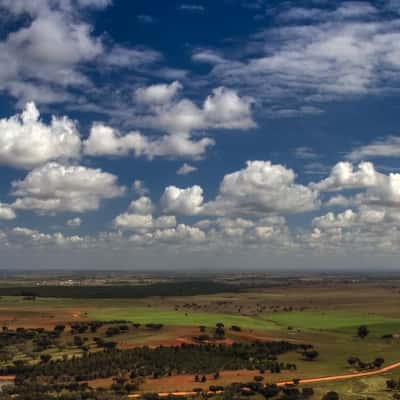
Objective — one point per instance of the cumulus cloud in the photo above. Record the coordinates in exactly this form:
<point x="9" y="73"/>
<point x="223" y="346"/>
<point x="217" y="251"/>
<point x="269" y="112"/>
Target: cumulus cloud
<point x="55" y="188"/>
<point x="106" y="141"/>
<point x="344" y="176"/>
<point x="74" y="222"/>
<point x="140" y="217"/>
<point x="143" y="222"/>
<point x="331" y="220"/>
<point x="187" y="201"/>
<point x="48" y="42"/>
<point x="6" y="212"/>
<point x="26" y="236"/>
<point x="186" y="169"/>
<point x="49" y="48"/>
<point x="260" y="188"/>
<point x="386" y="147"/>
<point x="180" y="118"/>
<point x="143" y="206"/>
<point x="370" y="186"/>
<point x="370" y="228"/>
<point x="26" y="141"/>
<point x="158" y="94"/>
<point x="181" y="233"/>
<point x="223" y="109"/>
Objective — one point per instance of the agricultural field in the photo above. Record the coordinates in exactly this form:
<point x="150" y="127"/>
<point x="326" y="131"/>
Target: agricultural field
<point x="317" y="329"/>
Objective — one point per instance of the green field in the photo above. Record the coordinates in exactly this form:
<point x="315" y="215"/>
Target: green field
<point x="144" y="315"/>
<point x="326" y="317"/>
<point x="333" y="320"/>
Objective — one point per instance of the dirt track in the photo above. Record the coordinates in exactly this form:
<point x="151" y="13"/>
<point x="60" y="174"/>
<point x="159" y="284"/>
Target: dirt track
<point x="302" y="381"/>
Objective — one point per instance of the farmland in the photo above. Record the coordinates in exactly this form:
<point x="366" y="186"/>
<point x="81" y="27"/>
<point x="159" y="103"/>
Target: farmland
<point x="41" y="334"/>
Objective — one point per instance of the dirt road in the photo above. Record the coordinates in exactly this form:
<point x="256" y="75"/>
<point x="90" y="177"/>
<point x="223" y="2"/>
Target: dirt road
<point x="302" y="381"/>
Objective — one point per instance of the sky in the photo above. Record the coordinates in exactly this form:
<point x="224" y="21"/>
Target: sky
<point x="206" y="135"/>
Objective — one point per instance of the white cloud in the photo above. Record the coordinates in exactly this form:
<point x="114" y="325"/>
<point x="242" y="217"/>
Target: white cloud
<point x="330" y="220"/>
<point x="142" y="206"/>
<point x="106" y="141"/>
<point x="158" y="94"/>
<point x="139" y="217"/>
<point x="193" y="8"/>
<point x="139" y="187"/>
<point x="379" y="189"/>
<point x="187" y="201"/>
<point x="387" y="147"/>
<point x="180" y="118"/>
<point x="207" y="56"/>
<point x="26" y="236"/>
<point x="119" y="56"/>
<point x="143" y="222"/>
<point x="49" y="48"/>
<point x="344" y="176"/>
<point x="261" y="188"/>
<point x="35" y="7"/>
<point x="26" y="141"/>
<point x="74" y="222"/>
<point x="186" y="169"/>
<point x="316" y="54"/>
<point x="180" y="234"/>
<point x="95" y="3"/>
<point x="48" y="42"/>
<point x="223" y="109"/>
<point x="55" y="188"/>
<point x="134" y="221"/>
<point x="6" y="212"/>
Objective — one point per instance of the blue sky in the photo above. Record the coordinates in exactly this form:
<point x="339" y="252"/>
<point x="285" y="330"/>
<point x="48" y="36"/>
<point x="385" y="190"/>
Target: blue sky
<point x="219" y="134"/>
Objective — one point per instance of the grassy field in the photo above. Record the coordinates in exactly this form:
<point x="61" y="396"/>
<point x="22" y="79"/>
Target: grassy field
<point x="363" y="388"/>
<point x="327" y="317"/>
<point x="334" y="320"/>
<point x="170" y="317"/>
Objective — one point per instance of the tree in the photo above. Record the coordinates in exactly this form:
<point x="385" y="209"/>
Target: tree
<point x="391" y="384"/>
<point x="331" y="396"/>
<point x="220" y="332"/>
<point x="45" y="358"/>
<point x="362" y="332"/>
<point x="310" y="355"/>
<point x="353" y="360"/>
<point x="378" y="362"/>
<point x="307" y="392"/>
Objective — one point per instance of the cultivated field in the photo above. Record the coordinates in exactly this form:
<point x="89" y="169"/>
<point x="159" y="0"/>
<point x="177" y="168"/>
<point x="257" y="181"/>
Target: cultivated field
<point x="318" y="312"/>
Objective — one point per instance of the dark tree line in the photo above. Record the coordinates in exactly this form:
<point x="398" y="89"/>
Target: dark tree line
<point x="160" y="361"/>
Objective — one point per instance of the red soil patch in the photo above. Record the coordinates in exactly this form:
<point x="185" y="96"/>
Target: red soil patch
<point x="167" y="336"/>
<point x="37" y="318"/>
<point x="101" y="383"/>
<point x="178" y="383"/>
